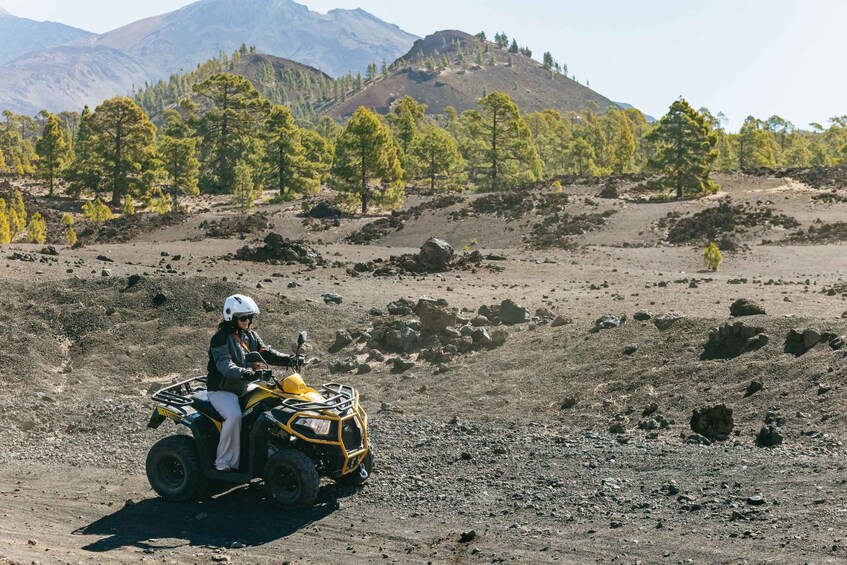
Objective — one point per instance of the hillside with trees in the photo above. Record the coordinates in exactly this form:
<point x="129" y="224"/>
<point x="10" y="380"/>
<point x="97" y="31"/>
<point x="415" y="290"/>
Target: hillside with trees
<point x="453" y="68"/>
<point x="300" y="87"/>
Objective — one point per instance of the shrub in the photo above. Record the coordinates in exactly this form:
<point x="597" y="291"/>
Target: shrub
<point x="97" y="211"/>
<point x="68" y="229"/>
<point x="37" y="229"/>
<point x="128" y="207"/>
<point x="712" y="257"/>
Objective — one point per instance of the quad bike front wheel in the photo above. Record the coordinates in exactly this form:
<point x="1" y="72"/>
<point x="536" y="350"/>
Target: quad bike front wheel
<point x="360" y="474"/>
<point x="291" y="479"/>
<point x="174" y="470"/>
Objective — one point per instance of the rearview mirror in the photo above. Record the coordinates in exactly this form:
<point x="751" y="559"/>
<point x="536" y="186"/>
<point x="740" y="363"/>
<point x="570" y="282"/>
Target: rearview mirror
<point x="254" y="357"/>
<point x="301" y="339"/>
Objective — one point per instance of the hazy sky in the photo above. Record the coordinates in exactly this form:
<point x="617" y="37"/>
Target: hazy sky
<point x="741" y="57"/>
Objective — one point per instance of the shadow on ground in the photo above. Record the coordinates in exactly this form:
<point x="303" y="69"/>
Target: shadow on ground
<point x="243" y="514"/>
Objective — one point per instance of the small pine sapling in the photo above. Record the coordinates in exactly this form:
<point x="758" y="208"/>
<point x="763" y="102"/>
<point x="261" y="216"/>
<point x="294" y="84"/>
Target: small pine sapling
<point x="712" y="257"/>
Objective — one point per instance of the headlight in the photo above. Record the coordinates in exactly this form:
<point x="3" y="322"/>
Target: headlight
<point x="317" y="425"/>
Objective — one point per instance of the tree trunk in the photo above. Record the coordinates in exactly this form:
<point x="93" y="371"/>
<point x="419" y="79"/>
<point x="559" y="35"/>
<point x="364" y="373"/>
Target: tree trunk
<point x="117" y="182"/>
<point x="364" y="181"/>
<point x="432" y="173"/>
<point x="494" y="152"/>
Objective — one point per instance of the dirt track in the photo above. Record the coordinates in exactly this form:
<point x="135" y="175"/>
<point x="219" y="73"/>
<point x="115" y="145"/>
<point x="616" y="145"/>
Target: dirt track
<point x="512" y="442"/>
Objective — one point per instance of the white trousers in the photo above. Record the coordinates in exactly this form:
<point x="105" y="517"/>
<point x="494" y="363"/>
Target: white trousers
<point x="229" y="446"/>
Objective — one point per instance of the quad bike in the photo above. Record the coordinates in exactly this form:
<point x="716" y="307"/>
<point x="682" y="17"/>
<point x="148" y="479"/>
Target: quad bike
<point x="291" y="435"/>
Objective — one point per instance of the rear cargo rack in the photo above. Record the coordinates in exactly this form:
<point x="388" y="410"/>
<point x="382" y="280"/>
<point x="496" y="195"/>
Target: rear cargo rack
<point x="178" y="394"/>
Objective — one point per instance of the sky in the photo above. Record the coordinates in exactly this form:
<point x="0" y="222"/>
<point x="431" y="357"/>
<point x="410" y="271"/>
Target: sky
<point x="739" y="57"/>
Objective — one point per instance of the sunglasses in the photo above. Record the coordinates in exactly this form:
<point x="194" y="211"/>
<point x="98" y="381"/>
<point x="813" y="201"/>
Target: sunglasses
<point x="244" y="318"/>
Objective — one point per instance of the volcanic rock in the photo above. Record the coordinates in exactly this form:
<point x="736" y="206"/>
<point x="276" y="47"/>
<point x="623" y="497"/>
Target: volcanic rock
<point x="713" y="422"/>
<point x="436" y="254"/>
<point x="744" y="307"/>
<point x="667" y="319"/>
<point x="511" y="313"/>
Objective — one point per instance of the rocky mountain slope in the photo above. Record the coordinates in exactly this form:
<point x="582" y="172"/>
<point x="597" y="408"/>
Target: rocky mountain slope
<point x="475" y="69"/>
<point x="71" y="77"/>
<point x="153" y="48"/>
<point x="336" y="42"/>
<point x="22" y="35"/>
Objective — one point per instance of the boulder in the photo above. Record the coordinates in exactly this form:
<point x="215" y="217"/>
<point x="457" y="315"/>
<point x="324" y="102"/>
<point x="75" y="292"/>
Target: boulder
<point x="560" y="321"/>
<point x="434" y="318"/>
<point x="643" y="315"/>
<point x="401" y="365"/>
<point x="480" y="337"/>
<point x="713" y="422"/>
<point x="607" y="321"/>
<point x="733" y="339"/>
<point x="436" y="254"/>
<point x="408" y="339"/>
<point x="400" y="307"/>
<point x="744" y="307"/>
<point x="811" y="337"/>
<point x="511" y="313"/>
<point x="343" y="365"/>
<point x="342" y="340"/>
<point x="768" y="436"/>
<point x="490" y="312"/>
<point x="332" y="298"/>
<point x="480" y="321"/>
<point x="753" y="388"/>
<point x="499" y="336"/>
<point x="799" y="341"/>
<point x="667" y="319"/>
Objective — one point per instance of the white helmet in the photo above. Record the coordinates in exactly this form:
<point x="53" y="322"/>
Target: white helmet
<point x="239" y="305"/>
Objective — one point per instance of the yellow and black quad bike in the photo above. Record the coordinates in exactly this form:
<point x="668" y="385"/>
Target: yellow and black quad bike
<point x="291" y="435"/>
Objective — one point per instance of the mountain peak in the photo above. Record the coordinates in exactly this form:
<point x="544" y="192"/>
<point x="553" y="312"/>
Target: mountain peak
<point x="5" y="14"/>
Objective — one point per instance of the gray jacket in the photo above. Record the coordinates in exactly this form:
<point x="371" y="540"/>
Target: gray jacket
<point x="227" y="355"/>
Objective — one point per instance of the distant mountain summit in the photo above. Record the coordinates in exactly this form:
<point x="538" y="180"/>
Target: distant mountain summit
<point x="154" y="48"/>
<point x="454" y="68"/>
<point x="20" y="35"/>
<point x="336" y="42"/>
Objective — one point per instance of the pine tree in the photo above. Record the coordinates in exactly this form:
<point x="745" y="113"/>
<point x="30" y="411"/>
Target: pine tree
<point x="52" y="152"/>
<point x="405" y="118"/>
<point x="5" y="232"/>
<point x="128" y="207"/>
<point x="97" y="211"/>
<point x="287" y="163"/>
<point x="229" y="129"/>
<point x="757" y="146"/>
<point x="513" y="48"/>
<point x="244" y="189"/>
<point x="622" y="144"/>
<point x="366" y="162"/>
<point x="17" y="214"/>
<point x="37" y="229"/>
<point x="508" y="157"/>
<point x="125" y="142"/>
<point x="685" y="145"/>
<point x="159" y="202"/>
<point x="68" y="229"/>
<point x="435" y="154"/>
<point x="181" y="166"/>
<point x="86" y="169"/>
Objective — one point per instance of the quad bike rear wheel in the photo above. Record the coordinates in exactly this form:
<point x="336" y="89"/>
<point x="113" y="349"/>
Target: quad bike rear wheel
<point x="360" y="474"/>
<point x="174" y="470"/>
<point x="291" y="479"/>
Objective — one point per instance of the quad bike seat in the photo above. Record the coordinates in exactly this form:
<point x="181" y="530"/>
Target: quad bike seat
<point x="200" y="402"/>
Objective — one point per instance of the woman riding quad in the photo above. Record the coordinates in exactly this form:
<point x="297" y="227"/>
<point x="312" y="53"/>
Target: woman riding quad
<point x="228" y="372"/>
